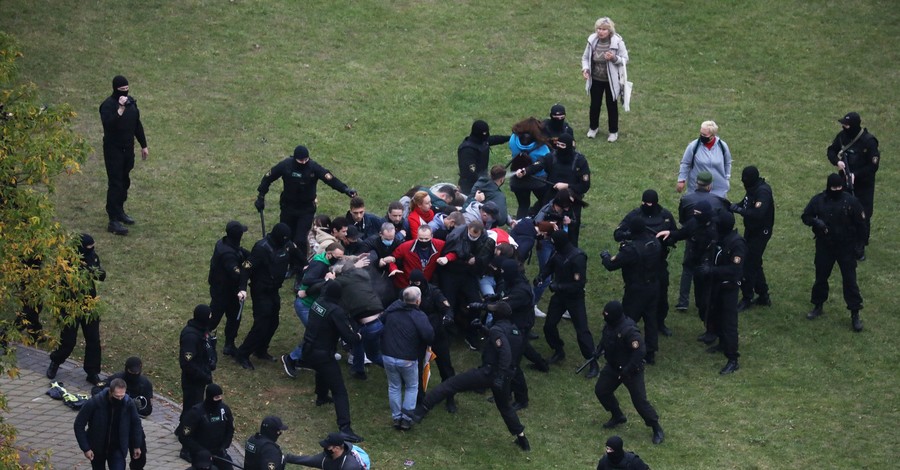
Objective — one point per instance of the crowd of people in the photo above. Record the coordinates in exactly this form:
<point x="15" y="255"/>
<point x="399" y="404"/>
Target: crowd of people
<point x="448" y="261"/>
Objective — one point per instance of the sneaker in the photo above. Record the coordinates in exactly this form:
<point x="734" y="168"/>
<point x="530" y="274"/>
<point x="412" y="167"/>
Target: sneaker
<point x="405" y="425"/>
<point x="349" y="359"/>
<point x="592" y="133"/>
<point x="566" y="315"/>
<point x="337" y="356"/>
<point x="472" y="344"/>
<point x="539" y="313"/>
<point x="397" y="424"/>
<point x="681" y="307"/>
<point x="288" y="365"/>
<point x="613" y="136"/>
<point x="367" y="361"/>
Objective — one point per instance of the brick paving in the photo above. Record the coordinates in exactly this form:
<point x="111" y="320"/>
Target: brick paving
<point x="45" y="424"/>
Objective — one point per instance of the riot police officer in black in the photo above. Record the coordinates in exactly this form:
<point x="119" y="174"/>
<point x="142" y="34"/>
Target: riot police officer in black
<point x="227" y="266"/>
<point x="639" y="258"/>
<point x="656" y="218"/>
<point x="209" y="426"/>
<point x="838" y="222"/>
<point x="262" y="453"/>
<point x="197" y="358"/>
<point x="758" y="210"/>
<point x="473" y="155"/>
<point x="624" y="350"/>
<point x="328" y="323"/>
<point x="140" y="389"/>
<point x="518" y="293"/>
<point x="437" y="309"/>
<point x="268" y="266"/>
<point x="615" y="457"/>
<point x="723" y="268"/>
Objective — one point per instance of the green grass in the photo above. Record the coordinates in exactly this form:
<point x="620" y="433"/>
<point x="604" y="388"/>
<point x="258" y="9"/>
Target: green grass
<point x="382" y="93"/>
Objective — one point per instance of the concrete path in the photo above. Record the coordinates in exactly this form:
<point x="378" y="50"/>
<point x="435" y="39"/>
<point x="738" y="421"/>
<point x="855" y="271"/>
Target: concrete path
<point x="46" y="424"/>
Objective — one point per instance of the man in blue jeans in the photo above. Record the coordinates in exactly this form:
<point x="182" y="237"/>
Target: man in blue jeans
<point x="407" y="332"/>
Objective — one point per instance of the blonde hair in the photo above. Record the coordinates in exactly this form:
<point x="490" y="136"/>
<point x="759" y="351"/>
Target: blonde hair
<point x="605" y="23"/>
<point x="419" y="198"/>
<point x="711" y="126"/>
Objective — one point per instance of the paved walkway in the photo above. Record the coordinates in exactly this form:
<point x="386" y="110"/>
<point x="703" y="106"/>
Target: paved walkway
<point x="46" y="424"/>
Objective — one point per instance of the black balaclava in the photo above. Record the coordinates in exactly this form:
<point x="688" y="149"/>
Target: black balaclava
<point x="234" y="230"/>
<point x="118" y="82"/>
<point x="613" y="312"/>
<point x="501" y="310"/>
<point x="201" y="315"/>
<point x="564" y="155"/>
<point x="212" y="391"/>
<point x="834" y="180"/>
<point x="557" y="117"/>
<point x="652" y="197"/>
<point x="333" y="291"/>
<point x="301" y="153"/>
<point x="132" y="364"/>
<point x="855" y="125"/>
<point x="561" y="241"/>
<point x="724" y="223"/>
<point x="271" y="427"/>
<point x="480" y="131"/>
<point x="86" y="241"/>
<point x="618" y="451"/>
<point x="417" y="278"/>
<point x="510" y="269"/>
<point x="280" y="234"/>
<point x="637" y="227"/>
<point x="750" y="177"/>
<point x="705" y="212"/>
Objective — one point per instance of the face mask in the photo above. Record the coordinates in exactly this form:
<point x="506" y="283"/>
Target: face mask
<point x="329" y="451"/>
<point x="647" y="210"/>
<point x="832" y="194"/>
<point x="387" y="242"/>
<point x="704" y="139"/>
<point x="471" y="238"/>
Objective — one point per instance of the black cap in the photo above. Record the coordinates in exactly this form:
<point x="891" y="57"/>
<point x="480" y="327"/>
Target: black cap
<point x="332" y="439"/>
<point x="119" y="81"/>
<point x="272" y="423"/>
<point x="234" y="229"/>
<point x="134" y="363"/>
<point x="557" y="110"/>
<point x="301" y="153"/>
<point x="851" y="119"/>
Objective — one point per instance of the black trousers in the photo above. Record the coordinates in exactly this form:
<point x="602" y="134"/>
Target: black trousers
<point x="266" y="307"/>
<point x="473" y="379"/>
<point x="560" y="302"/>
<point x="68" y="338"/>
<point x="530" y="352"/>
<point x="139" y="464"/>
<point x="523" y="198"/>
<point x="866" y="196"/>
<point x="754" y="276"/>
<point x="826" y="255"/>
<point x="662" y="297"/>
<point x="441" y="348"/>
<point x="460" y="289"/>
<point x="224" y="303"/>
<point x="119" y="163"/>
<point x="599" y="90"/>
<point x="609" y="381"/>
<point x="191" y="394"/>
<point x="639" y="303"/>
<point x="28" y="321"/>
<point x="300" y="224"/>
<point x="329" y="380"/>
<point x="723" y="317"/>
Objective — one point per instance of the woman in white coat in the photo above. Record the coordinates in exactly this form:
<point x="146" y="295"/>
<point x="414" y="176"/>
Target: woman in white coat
<point x="603" y="67"/>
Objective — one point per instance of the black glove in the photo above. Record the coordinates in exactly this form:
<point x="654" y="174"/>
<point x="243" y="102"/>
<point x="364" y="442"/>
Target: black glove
<point x="625" y="234"/>
<point x="736" y="208"/>
<point x="604" y="255"/>
<point x="475" y="306"/>
<point x="477" y="324"/>
<point x="704" y="269"/>
<point x="447" y="320"/>
<point x="554" y="286"/>
<point x="351" y="192"/>
<point x="492" y="297"/>
<point x="819" y="226"/>
<point x="260" y="203"/>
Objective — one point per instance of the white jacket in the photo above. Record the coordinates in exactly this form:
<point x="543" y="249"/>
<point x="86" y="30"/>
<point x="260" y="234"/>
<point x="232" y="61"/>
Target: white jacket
<point x="615" y="70"/>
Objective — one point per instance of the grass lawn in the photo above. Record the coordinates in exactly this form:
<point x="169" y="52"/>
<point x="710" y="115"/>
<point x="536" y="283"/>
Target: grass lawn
<point x="383" y="92"/>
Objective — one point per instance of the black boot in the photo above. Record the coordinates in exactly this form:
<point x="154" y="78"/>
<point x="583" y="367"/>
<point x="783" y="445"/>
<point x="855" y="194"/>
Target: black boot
<point x="52" y="370"/>
<point x="816" y="312"/>
<point x="229" y="349"/>
<point x="417" y="414"/>
<point x="116" y="227"/>
<point x="348" y="435"/>
<point x="615" y="421"/>
<point x="658" y="434"/>
<point x="763" y="301"/>
<point x="855" y="321"/>
<point x="731" y="366"/>
<point x="593" y="371"/>
<point x="522" y="442"/>
<point x="558" y="356"/>
<point x="450" y="405"/>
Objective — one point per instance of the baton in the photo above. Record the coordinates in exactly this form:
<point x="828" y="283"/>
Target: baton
<point x="593" y="358"/>
<point x="262" y="221"/>
<point x="241" y="310"/>
<point x="228" y="462"/>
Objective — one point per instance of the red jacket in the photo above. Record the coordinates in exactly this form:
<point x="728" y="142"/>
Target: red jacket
<point x="408" y="261"/>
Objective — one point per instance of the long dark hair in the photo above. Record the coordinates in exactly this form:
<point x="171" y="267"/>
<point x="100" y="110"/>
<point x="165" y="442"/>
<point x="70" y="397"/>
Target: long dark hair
<point x="532" y="126"/>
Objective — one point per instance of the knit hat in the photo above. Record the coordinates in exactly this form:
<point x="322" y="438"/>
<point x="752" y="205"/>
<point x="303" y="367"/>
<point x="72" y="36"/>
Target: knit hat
<point x="613" y="312"/>
<point x="301" y="153"/>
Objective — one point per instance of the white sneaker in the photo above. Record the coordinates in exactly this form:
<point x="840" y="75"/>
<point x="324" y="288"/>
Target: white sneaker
<point x="337" y="356"/>
<point x="566" y="315"/>
<point x="592" y="133"/>
<point x="367" y="361"/>
<point x="538" y="313"/>
<point x="613" y="137"/>
<point x="349" y="358"/>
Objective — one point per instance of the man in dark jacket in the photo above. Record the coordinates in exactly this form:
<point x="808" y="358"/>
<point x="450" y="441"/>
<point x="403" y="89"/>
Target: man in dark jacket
<point x="656" y="218"/>
<point x="367" y="223"/>
<point x="337" y="454"/>
<point x="261" y="451"/>
<point x="269" y="261"/>
<point x="363" y="305"/>
<point x="489" y="187"/>
<point x="624" y="350"/>
<point x="474" y="154"/>
<point x="107" y="426"/>
<point x="229" y="263"/>
<point x="568" y="268"/>
<point x="197" y="358"/>
<point x="518" y="293"/>
<point x="209" y="426"/>
<point x="407" y="332"/>
<point x="90" y="324"/>
<point x="758" y="210"/>
<point x="639" y="257"/>
<point x="464" y="260"/>
<point x="383" y="263"/>
<point x="615" y="457"/>
<point x="121" y="125"/>
<point x="328" y="323"/>
<point x="855" y="153"/>
<point x="140" y="390"/>
<point x="499" y="357"/>
<point x="838" y="222"/>
<point x="300" y="175"/>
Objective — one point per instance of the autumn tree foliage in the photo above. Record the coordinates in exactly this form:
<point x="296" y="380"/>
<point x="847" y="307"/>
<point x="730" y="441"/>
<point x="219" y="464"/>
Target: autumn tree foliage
<point x="39" y="262"/>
